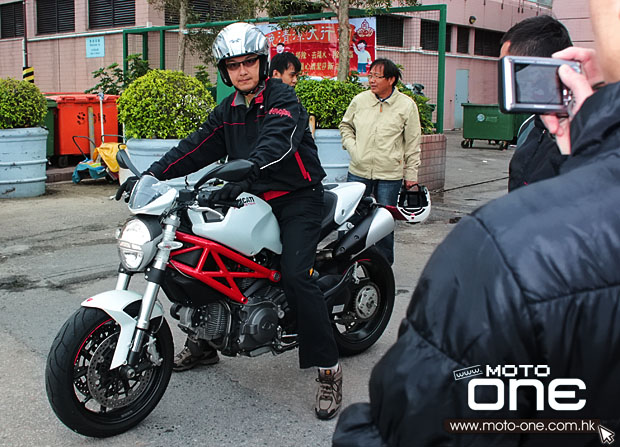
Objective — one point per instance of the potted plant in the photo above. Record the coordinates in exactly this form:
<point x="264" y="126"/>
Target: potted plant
<point x="327" y="100"/>
<point x="22" y="140"/>
<point x="158" y="110"/>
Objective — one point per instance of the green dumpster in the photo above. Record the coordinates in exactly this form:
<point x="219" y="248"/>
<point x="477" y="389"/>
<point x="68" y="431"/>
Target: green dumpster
<point x="486" y="122"/>
<point x="50" y="123"/>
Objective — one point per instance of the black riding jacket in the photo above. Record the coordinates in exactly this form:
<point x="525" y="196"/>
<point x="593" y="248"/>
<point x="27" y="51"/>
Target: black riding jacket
<point x="273" y="132"/>
<point x="532" y="278"/>
<point x="537" y="158"/>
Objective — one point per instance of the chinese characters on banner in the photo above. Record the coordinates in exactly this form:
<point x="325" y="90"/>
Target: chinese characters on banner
<point x="317" y="48"/>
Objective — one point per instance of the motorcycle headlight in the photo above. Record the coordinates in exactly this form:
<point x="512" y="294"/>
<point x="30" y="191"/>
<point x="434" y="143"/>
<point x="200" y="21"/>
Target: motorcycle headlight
<point x="137" y="242"/>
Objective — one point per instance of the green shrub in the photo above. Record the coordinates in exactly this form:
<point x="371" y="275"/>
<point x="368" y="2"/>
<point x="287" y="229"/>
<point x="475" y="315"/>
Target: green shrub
<point x="112" y="80"/>
<point x="327" y="99"/>
<point x="21" y="104"/>
<point x="164" y="104"/>
<point x="425" y="110"/>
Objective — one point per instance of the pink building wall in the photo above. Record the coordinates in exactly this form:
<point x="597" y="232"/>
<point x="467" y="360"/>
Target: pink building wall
<point x="575" y="15"/>
<point x="61" y="64"/>
<point x="60" y="61"/>
<point x="496" y="15"/>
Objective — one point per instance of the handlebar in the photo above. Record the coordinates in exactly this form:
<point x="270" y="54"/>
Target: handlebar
<point x="204" y="199"/>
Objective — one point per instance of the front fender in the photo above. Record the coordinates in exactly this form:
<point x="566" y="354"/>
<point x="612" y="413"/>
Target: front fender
<point x="114" y="302"/>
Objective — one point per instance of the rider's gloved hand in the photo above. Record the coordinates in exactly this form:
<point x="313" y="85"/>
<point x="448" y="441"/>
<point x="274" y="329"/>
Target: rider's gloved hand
<point x="127" y="187"/>
<point x="231" y="190"/>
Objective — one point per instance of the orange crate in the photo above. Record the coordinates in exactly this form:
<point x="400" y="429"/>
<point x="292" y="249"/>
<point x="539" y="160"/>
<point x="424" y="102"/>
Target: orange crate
<point x="72" y="120"/>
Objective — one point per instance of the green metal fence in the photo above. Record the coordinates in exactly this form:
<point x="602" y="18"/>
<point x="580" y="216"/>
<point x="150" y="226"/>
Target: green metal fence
<point x="413" y="37"/>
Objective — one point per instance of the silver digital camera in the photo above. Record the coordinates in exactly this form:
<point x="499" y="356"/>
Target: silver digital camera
<point x="532" y="85"/>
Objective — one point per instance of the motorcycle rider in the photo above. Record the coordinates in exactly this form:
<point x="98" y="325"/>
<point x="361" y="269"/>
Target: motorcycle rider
<point x="264" y="123"/>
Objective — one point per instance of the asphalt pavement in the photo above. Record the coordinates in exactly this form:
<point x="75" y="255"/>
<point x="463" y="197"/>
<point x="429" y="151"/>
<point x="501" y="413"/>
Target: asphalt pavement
<point x="58" y="249"/>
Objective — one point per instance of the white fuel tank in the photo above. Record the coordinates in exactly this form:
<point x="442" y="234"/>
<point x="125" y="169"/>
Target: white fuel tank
<point x="248" y="229"/>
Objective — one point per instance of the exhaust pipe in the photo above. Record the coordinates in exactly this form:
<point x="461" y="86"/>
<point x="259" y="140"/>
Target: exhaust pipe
<point x="367" y="233"/>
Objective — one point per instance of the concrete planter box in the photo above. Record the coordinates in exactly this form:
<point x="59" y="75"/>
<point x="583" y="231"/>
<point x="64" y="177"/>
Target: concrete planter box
<point x="335" y="160"/>
<point x="22" y="162"/>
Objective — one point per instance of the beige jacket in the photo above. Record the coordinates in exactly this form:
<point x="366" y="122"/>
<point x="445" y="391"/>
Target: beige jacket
<point x="382" y="138"/>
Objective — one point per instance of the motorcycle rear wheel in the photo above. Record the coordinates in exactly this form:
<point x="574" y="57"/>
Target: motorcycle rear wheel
<point x="85" y="394"/>
<point x="370" y="306"/>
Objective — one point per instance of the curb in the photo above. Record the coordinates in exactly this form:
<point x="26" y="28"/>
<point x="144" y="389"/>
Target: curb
<point x="55" y="175"/>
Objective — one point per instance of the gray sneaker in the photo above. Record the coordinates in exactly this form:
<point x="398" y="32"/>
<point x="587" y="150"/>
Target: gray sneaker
<point x="329" y="394"/>
<point x="185" y="360"/>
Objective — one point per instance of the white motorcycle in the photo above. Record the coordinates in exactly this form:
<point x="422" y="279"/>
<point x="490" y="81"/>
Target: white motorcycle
<point x="218" y="263"/>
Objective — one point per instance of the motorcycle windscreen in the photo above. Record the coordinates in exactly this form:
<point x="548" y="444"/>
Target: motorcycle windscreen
<point x="150" y="193"/>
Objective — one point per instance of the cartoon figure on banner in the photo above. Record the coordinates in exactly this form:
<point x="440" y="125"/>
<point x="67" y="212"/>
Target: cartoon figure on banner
<point x="360" y="46"/>
<point x="363" y="56"/>
<point x="280" y="47"/>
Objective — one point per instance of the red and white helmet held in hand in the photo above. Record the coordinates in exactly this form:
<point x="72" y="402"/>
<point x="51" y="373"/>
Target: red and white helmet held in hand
<point x="413" y="206"/>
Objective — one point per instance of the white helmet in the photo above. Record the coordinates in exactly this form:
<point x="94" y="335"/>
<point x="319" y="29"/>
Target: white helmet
<point x="238" y="39"/>
<point x="414" y="205"/>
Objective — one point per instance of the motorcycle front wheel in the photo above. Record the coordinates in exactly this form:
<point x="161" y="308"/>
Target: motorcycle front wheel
<point x="370" y="306"/>
<point x="85" y="394"/>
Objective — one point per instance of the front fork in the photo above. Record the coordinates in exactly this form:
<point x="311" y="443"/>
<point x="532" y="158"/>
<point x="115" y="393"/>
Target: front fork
<point x="154" y="276"/>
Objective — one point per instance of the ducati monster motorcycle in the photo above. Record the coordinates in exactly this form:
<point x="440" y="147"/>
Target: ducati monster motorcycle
<point x="218" y="263"/>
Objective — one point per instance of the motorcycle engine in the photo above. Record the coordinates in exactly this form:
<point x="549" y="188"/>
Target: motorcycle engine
<point x="258" y="324"/>
<point x="243" y="329"/>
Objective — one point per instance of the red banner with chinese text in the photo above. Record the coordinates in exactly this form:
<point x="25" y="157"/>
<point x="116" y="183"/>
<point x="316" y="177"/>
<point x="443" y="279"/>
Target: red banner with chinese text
<point x="317" y="48"/>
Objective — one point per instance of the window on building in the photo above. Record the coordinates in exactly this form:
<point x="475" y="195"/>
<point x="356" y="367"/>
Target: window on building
<point x="11" y="20"/>
<point x="202" y="11"/>
<point x="486" y="43"/>
<point x="429" y="35"/>
<point x="462" y="40"/>
<point x="390" y="31"/>
<point x="55" y="16"/>
<point x="548" y="3"/>
<point x="111" y="13"/>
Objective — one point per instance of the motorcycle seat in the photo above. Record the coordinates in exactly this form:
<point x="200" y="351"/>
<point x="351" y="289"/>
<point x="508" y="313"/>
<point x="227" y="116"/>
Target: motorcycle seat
<point x="329" y="210"/>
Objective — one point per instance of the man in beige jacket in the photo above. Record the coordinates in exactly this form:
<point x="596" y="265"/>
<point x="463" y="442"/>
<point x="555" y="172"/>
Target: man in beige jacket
<point x="381" y="132"/>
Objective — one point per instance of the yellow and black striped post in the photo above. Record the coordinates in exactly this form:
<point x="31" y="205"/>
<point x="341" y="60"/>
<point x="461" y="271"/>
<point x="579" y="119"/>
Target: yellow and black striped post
<point x="28" y="74"/>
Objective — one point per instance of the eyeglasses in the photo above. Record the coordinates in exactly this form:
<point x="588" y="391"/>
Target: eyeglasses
<point x="374" y="76"/>
<point x="234" y="66"/>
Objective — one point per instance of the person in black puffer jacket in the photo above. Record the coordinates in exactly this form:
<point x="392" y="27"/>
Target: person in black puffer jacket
<point x="532" y="278"/>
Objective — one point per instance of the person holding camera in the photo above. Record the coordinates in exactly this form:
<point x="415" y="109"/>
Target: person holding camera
<point x="537" y="156"/>
<point x="531" y="279"/>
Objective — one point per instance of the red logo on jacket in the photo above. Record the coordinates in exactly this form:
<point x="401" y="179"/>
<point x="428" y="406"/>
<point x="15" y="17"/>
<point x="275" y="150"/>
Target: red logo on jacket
<point x="281" y="112"/>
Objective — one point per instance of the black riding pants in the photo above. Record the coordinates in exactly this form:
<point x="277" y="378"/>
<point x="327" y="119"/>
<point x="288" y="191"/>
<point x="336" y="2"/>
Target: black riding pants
<point x="299" y="214"/>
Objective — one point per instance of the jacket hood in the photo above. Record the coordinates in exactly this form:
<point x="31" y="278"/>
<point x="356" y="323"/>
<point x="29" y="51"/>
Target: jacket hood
<point x="597" y="122"/>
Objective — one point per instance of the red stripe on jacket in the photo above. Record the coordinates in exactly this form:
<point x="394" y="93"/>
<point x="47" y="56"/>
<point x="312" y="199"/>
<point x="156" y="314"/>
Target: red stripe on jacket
<point x="302" y="168"/>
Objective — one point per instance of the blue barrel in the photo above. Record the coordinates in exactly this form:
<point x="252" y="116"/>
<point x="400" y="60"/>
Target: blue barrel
<point x="334" y="159"/>
<point x="22" y="162"/>
<point x="143" y="152"/>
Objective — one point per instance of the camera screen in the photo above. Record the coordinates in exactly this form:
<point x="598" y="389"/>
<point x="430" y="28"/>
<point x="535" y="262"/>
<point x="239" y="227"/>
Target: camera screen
<point x="537" y="84"/>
